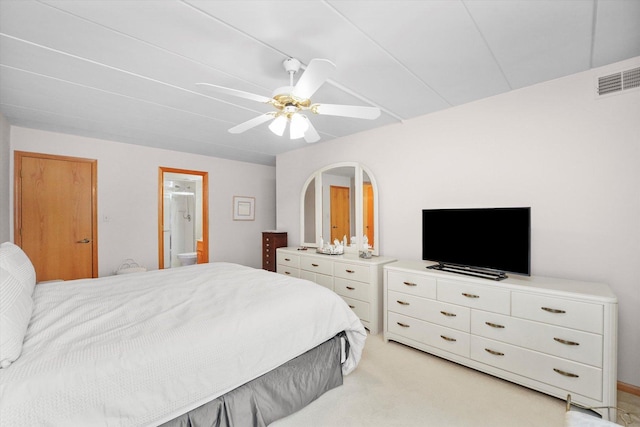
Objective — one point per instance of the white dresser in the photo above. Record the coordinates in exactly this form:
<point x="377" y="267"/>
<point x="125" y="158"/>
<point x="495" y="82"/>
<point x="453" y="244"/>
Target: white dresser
<point x="553" y="335"/>
<point x="358" y="281"/>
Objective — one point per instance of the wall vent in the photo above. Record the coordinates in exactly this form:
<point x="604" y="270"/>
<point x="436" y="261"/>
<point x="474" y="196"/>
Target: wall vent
<point x="631" y="78"/>
<point x="617" y="82"/>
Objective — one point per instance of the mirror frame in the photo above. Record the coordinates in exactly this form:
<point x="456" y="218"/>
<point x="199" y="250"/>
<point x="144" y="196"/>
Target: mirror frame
<point x="317" y="175"/>
<point x="205" y="211"/>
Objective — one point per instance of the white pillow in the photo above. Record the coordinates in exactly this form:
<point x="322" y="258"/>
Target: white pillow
<point x="17" y="281"/>
<point x="14" y="260"/>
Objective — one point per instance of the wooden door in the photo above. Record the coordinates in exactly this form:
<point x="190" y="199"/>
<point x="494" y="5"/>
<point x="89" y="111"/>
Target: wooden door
<point x="55" y="214"/>
<point x="367" y="212"/>
<point x="340" y="217"/>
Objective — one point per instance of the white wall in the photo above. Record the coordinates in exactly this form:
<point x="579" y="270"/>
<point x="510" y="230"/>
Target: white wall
<point x="573" y="158"/>
<point x="5" y="180"/>
<point x="128" y="196"/>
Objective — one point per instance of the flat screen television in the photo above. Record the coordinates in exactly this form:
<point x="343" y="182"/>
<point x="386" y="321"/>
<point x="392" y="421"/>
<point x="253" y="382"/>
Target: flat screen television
<point x="494" y="239"/>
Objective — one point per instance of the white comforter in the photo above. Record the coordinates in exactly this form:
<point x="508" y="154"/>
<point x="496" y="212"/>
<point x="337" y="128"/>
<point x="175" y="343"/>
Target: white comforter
<point x="141" y="349"/>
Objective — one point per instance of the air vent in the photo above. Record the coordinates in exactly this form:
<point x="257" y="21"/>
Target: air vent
<point x="609" y="84"/>
<point x="631" y="78"/>
<point x="619" y="81"/>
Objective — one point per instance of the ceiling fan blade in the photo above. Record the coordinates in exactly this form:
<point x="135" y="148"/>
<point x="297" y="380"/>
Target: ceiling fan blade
<point x="317" y="72"/>
<point x="354" y="111"/>
<point x="251" y="123"/>
<point x="311" y="134"/>
<point x="234" y="92"/>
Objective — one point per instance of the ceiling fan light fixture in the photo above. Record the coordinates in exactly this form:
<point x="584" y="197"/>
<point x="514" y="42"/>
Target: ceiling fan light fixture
<point x="278" y="125"/>
<point x="298" y="126"/>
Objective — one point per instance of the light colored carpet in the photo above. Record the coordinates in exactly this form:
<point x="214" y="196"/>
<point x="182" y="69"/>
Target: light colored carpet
<point x="395" y="385"/>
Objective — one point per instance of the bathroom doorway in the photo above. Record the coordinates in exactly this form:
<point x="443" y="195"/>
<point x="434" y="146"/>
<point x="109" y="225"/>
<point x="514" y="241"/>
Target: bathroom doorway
<point x="183" y="217"/>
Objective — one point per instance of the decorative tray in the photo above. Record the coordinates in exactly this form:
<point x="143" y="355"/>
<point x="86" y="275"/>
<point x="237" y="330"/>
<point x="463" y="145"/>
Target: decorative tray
<point x="330" y="251"/>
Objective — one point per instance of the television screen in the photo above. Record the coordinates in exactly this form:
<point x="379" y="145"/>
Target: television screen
<point x="490" y="238"/>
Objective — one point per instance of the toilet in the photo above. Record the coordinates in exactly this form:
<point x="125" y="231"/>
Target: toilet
<point x="188" y="258"/>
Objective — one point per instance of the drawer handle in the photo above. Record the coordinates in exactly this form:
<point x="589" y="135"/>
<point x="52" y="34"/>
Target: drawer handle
<point x="448" y="338"/>
<point x="494" y="325"/>
<point x="470" y="295"/>
<point x="287" y="259"/>
<point x="560" y="340"/>
<point x="267" y="245"/>
<point x="448" y="314"/>
<point x="566" y="374"/>
<point x="553" y="310"/>
<point x="314" y="265"/>
<point x="286" y="272"/>
<point x="409" y="284"/>
<point x="351" y="288"/>
<point x="404" y="325"/>
<point x="495" y="353"/>
<point x="403" y="302"/>
<point x="352" y="306"/>
<point x="350" y="271"/>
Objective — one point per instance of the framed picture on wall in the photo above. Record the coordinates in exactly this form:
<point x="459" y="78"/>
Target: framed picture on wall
<point x="244" y="208"/>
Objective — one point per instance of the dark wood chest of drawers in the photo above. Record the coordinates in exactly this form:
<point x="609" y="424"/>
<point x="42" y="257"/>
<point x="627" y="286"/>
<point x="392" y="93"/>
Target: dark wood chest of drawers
<point x="272" y="240"/>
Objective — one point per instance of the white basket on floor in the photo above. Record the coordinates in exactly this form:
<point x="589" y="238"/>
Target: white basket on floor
<point x="129" y="265"/>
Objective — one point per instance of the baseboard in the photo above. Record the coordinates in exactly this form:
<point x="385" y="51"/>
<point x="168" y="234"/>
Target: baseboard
<point x="628" y="388"/>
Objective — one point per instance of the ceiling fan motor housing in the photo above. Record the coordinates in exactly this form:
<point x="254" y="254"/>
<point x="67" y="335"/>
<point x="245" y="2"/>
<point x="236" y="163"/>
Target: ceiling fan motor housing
<point x="283" y="97"/>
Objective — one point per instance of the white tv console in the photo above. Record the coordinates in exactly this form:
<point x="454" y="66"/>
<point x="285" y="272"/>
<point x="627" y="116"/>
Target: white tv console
<point x="555" y="336"/>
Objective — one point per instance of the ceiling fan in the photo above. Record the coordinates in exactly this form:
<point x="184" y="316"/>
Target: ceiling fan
<point x="290" y="102"/>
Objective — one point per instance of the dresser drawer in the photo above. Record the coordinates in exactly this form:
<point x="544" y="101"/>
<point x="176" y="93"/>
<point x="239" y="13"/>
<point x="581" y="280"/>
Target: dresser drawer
<point x="275" y="240"/>
<point x="320" y="279"/>
<point x="415" y="284"/>
<point x="449" y="315"/>
<point x="288" y="259"/>
<point x="447" y="339"/>
<point x="317" y="265"/>
<point x="267" y="262"/>
<point x="571" y="376"/>
<point x="288" y="271"/>
<point x="557" y="311"/>
<point x="356" y="272"/>
<point x="324" y="280"/>
<point x="353" y="289"/>
<point x="360" y="308"/>
<point x="579" y="346"/>
<point x="474" y="296"/>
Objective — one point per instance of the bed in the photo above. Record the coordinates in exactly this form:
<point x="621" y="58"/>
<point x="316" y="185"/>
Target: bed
<point x="173" y="346"/>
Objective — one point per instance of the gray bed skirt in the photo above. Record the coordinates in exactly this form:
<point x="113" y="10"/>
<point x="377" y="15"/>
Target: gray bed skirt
<point x="274" y="395"/>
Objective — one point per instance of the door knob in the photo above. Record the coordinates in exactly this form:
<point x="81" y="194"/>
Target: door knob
<point x="85" y="240"/>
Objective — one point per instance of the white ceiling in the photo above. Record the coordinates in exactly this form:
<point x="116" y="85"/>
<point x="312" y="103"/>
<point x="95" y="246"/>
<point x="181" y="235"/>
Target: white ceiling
<point x="126" y="70"/>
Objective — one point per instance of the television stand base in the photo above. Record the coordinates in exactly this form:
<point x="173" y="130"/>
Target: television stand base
<point x="470" y="271"/>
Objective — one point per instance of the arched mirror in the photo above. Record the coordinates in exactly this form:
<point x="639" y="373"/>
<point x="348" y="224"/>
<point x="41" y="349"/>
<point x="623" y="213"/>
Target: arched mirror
<point x="309" y="209"/>
<point x="183" y="217"/>
<point x="339" y="201"/>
